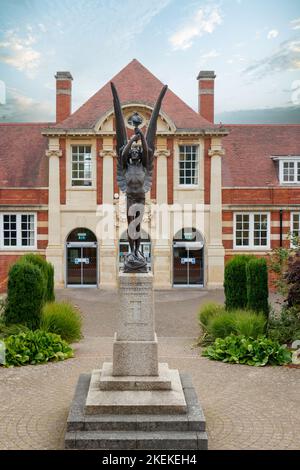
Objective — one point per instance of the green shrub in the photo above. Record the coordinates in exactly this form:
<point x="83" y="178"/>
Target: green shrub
<point x="235" y="282"/>
<point x="253" y="352"/>
<point x="25" y="295"/>
<point x="222" y="325"/>
<point x="63" y="319"/>
<point x="257" y="285"/>
<point x="34" y="347"/>
<point x="40" y="262"/>
<point x="286" y="328"/>
<point x="216" y="322"/>
<point x="249" y="324"/>
<point x="50" y="283"/>
<point x="208" y="311"/>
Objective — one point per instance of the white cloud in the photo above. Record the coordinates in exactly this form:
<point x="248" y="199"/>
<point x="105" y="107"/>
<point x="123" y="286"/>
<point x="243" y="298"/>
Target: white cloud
<point x="272" y="34"/>
<point x="295" y="23"/>
<point x="209" y="55"/>
<point x="18" y="52"/>
<point x="285" y="57"/>
<point x="205" y="20"/>
<point x="42" y="27"/>
<point x="20" y="107"/>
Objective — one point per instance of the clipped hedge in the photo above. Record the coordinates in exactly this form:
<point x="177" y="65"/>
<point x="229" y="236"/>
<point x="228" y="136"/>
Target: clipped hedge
<point x="25" y="294"/>
<point x="235" y="282"/>
<point x="257" y="285"/>
<point x="47" y="271"/>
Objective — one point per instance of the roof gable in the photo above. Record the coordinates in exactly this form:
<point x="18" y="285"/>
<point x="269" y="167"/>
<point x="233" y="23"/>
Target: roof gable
<point x="134" y="83"/>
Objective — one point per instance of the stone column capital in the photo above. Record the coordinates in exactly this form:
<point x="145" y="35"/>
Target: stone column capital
<point x="162" y="153"/>
<point x="216" y="152"/>
<point x="107" y="153"/>
<point x="53" y="153"/>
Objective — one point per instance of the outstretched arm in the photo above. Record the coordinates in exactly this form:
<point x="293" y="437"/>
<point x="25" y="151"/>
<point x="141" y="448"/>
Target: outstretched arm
<point x="127" y="147"/>
<point x="145" y="158"/>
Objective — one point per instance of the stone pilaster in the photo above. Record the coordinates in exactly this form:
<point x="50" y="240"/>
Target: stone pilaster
<point x="108" y="249"/>
<point x="215" y="249"/>
<point x="161" y="248"/>
<point x="54" y="251"/>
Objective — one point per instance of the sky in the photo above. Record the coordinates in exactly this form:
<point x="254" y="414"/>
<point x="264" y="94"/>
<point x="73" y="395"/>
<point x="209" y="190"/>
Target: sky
<point x="252" y="45"/>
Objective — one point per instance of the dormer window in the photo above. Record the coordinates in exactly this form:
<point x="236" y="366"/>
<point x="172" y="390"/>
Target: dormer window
<point x="289" y="169"/>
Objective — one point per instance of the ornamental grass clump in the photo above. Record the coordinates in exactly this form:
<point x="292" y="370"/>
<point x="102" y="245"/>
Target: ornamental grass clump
<point x="216" y="322"/>
<point x="63" y="319"/>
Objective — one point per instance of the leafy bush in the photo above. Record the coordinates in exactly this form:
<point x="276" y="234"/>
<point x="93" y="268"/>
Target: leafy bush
<point x="286" y="328"/>
<point x="292" y="278"/>
<point x="208" y="311"/>
<point x="63" y="319"/>
<point x="253" y="352"/>
<point x="34" y="347"/>
<point x="25" y="294"/>
<point x="50" y="283"/>
<point x="257" y="285"/>
<point x="216" y="322"/>
<point x="235" y="282"/>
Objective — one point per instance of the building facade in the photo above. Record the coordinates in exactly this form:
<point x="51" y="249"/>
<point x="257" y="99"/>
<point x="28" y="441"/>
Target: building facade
<point x="217" y="190"/>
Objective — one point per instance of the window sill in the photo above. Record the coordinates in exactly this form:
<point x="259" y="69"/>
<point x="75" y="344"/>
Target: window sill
<point x="81" y="188"/>
<point x="252" y="248"/>
<point x="18" y="248"/>
<point x="187" y="186"/>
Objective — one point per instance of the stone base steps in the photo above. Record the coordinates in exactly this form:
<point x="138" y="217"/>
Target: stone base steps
<point x="136" y="431"/>
<point x="124" y="440"/>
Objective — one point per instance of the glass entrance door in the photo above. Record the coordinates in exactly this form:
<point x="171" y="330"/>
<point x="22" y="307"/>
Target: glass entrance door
<point x="81" y="265"/>
<point x="187" y="265"/>
<point x="180" y="266"/>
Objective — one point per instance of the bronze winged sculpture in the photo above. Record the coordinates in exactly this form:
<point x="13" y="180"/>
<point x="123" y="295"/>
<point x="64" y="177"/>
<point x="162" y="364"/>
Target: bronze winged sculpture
<point x="134" y="174"/>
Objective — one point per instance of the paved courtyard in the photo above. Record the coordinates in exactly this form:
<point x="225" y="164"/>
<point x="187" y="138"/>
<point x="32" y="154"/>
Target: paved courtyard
<point x="245" y="407"/>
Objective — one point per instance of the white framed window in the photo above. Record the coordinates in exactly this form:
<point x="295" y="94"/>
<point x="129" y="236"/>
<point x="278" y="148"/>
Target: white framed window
<point x="81" y="165"/>
<point x="188" y="165"/>
<point x="289" y="171"/>
<point x="17" y="231"/>
<point x="295" y="226"/>
<point x="251" y="230"/>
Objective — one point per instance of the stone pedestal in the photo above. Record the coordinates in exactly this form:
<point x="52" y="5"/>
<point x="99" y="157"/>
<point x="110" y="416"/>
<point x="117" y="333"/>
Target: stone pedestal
<point x="135" y="344"/>
<point x="135" y="402"/>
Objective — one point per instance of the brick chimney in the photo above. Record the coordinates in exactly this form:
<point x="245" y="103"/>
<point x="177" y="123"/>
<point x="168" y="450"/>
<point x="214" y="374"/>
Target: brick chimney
<point x="63" y="95"/>
<point x="206" y="80"/>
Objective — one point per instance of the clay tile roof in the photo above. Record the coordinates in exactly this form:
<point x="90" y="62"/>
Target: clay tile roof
<point x="22" y="155"/>
<point x="249" y="148"/>
<point x="134" y="83"/>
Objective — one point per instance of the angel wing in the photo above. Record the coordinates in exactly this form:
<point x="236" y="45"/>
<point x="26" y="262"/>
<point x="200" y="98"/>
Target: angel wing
<point x="150" y="138"/>
<point x="121" y="135"/>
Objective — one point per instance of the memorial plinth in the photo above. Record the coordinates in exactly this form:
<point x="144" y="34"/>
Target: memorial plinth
<point x="135" y="401"/>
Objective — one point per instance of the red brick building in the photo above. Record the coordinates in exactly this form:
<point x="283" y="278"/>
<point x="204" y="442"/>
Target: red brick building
<point x="237" y="186"/>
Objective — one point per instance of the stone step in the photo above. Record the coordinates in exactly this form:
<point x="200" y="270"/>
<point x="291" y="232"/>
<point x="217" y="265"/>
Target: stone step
<point x="125" y="440"/>
<point x="193" y="421"/>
